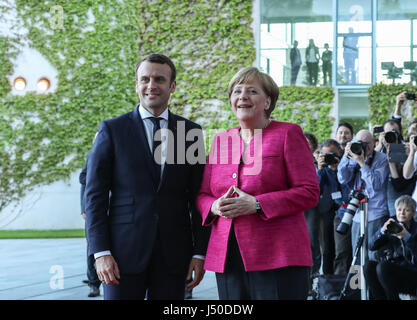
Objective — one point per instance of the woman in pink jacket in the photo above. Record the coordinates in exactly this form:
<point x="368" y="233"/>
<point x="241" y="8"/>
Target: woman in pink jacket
<point x="258" y="181"/>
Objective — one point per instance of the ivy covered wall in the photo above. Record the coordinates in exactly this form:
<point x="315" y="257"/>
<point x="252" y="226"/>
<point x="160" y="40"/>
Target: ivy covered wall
<point x="45" y="138"/>
<point x="382" y="100"/>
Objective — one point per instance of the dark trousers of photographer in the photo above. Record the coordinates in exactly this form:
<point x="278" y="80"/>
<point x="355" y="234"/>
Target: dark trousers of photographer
<point x="372" y="227"/>
<point x="327" y="208"/>
<point x="386" y="280"/>
<point x="312" y="217"/>
<point x="343" y="249"/>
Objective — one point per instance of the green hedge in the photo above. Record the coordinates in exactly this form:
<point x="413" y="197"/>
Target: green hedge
<point x="307" y="106"/>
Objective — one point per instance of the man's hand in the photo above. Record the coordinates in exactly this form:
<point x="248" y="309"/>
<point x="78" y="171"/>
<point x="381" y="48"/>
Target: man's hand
<point x="382" y="141"/>
<point x="320" y="161"/>
<point x="196" y="265"/>
<point x="84" y="215"/>
<point x="107" y="270"/>
<point x="399" y="102"/>
<point x="360" y="159"/>
<point x="412" y="145"/>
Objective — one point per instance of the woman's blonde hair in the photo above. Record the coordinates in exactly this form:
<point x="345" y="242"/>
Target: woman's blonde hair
<point x="268" y="84"/>
<point x="407" y="200"/>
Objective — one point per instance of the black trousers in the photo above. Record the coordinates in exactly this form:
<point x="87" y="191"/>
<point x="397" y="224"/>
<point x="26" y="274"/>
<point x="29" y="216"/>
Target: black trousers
<point x="327" y="73"/>
<point x="289" y="283"/>
<point x="93" y="280"/>
<point x="294" y="73"/>
<point x="387" y="280"/>
<point x="156" y="283"/>
<point x="343" y="249"/>
<point x="313" y="70"/>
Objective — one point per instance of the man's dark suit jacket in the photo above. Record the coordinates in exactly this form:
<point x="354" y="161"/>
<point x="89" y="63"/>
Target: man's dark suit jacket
<point x="121" y="164"/>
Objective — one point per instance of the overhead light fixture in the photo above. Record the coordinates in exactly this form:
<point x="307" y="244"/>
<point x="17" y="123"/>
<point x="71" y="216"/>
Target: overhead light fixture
<point x="43" y="84"/>
<point x="19" y="83"/>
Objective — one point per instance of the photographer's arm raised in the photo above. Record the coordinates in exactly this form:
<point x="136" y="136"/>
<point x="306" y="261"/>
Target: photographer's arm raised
<point x="398" y="104"/>
<point x="409" y="167"/>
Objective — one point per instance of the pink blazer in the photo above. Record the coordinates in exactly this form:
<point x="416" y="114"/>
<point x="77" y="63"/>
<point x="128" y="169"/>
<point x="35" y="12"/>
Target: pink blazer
<point x="283" y="179"/>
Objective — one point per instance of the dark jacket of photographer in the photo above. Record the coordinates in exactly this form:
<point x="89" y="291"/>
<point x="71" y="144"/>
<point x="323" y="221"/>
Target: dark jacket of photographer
<point x="338" y="193"/>
<point x="390" y="247"/>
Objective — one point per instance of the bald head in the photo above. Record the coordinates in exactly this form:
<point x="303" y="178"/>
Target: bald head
<point x="366" y="136"/>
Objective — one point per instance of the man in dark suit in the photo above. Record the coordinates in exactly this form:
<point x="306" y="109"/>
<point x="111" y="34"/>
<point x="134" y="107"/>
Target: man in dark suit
<point x="93" y="280"/>
<point x="295" y="58"/>
<point x="151" y="238"/>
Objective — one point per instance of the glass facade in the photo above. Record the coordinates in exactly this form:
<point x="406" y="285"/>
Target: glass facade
<point x="359" y="42"/>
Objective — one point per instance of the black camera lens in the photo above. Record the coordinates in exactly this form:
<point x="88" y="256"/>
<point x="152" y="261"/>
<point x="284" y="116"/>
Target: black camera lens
<point x="394" y="227"/>
<point x="410" y="96"/>
<point x="331" y="158"/>
<point x="391" y="137"/>
<point x="357" y="147"/>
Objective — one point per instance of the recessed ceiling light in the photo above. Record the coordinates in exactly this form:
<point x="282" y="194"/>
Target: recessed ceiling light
<point x="19" y="83"/>
<point x="43" y="84"/>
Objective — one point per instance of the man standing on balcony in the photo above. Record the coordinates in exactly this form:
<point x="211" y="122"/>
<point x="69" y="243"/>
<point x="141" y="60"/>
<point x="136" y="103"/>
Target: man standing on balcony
<point x="295" y="58"/>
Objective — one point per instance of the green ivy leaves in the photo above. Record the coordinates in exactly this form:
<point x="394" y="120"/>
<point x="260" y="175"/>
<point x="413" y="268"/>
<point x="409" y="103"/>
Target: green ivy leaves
<point x="45" y="138"/>
<point x="382" y="100"/>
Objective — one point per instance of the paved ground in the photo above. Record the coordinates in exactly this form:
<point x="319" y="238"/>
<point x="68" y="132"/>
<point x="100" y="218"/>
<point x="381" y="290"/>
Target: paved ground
<point x="53" y="269"/>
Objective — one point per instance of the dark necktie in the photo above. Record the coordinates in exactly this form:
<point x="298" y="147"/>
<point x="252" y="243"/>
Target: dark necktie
<point x="155" y="143"/>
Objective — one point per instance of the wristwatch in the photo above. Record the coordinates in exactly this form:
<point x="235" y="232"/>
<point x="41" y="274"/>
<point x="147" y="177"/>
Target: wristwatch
<point x="258" y="207"/>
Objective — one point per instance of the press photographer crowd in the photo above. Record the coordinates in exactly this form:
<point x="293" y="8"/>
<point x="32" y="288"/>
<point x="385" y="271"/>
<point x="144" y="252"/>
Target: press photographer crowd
<point x="377" y="171"/>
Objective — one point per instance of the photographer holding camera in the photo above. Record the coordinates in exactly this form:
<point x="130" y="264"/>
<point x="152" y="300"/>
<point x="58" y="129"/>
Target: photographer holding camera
<point x="392" y="144"/>
<point x="395" y="271"/>
<point x="364" y="168"/>
<point x="410" y="164"/>
<point x="337" y="248"/>
<point x="400" y="100"/>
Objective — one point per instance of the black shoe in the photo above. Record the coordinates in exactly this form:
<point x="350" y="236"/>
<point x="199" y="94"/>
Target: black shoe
<point x="94" y="292"/>
<point x="188" y="294"/>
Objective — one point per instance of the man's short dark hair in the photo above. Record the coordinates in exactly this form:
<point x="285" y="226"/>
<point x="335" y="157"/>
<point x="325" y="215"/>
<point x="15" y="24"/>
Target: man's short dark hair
<point x="312" y="139"/>
<point x="347" y="125"/>
<point x="161" y="59"/>
<point x="394" y="122"/>
<point x="331" y="142"/>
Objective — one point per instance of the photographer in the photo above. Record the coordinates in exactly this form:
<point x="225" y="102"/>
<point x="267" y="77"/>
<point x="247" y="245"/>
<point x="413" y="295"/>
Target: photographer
<point x="397" y="185"/>
<point x="396" y="246"/>
<point x="312" y="216"/>
<point x="401" y="99"/>
<point x="363" y="167"/>
<point x="410" y="164"/>
<point x="337" y="248"/>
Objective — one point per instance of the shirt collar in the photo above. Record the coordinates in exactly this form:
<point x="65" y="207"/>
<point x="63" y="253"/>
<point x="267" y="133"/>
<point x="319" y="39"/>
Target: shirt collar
<point x="144" y="114"/>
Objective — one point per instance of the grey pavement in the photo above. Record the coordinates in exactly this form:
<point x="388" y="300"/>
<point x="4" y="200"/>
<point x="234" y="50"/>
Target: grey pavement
<point x="53" y="269"/>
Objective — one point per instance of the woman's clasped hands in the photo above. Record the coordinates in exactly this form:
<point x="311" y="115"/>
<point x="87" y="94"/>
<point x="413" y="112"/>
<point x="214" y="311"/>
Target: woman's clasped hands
<point x="234" y="203"/>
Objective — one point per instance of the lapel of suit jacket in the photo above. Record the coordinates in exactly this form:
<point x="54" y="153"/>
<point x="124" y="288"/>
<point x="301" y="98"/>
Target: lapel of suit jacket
<point x="139" y="134"/>
<point x="172" y="127"/>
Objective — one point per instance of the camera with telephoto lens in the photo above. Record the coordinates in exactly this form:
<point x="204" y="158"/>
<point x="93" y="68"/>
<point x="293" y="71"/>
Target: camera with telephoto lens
<point x="357" y="147"/>
<point x="356" y="197"/>
<point x="331" y="158"/>
<point x="391" y="137"/>
<point x="410" y="96"/>
<point x="394" y="227"/>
